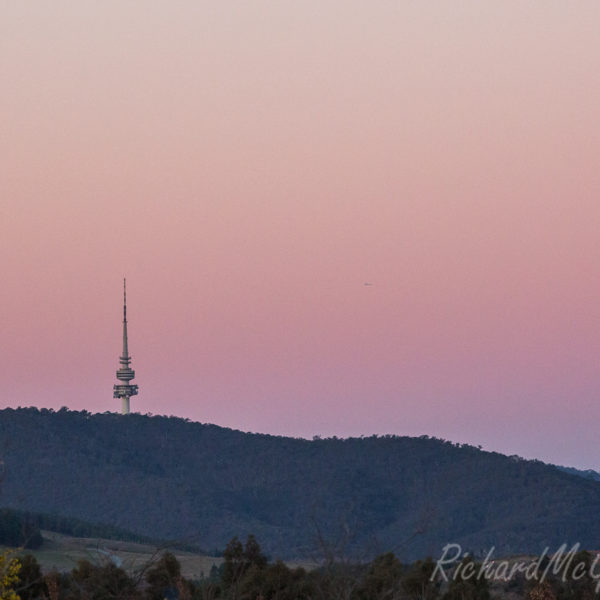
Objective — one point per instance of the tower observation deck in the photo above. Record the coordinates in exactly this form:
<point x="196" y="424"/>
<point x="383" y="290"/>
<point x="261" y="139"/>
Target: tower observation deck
<point x="125" y="373"/>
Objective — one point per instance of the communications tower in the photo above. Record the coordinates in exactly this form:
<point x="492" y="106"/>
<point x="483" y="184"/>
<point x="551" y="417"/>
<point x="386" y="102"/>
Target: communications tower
<point x="125" y="373"/>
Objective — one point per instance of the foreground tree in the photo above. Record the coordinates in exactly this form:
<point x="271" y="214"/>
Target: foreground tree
<point x="164" y="579"/>
<point x="382" y="580"/>
<point x="418" y="584"/>
<point x="100" y="582"/>
<point x="31" y="581"/>
<point x="541" y="591"/>
<point x="467" y="585"/>
<point x="243" y="568"/>
<point x="9" y="576"/>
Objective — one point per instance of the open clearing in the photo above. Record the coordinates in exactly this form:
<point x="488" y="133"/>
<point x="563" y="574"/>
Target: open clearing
<point x="62" y="552"/>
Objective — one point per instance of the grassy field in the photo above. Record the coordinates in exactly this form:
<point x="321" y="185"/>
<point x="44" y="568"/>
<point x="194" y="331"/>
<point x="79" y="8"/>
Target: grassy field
<point x="62" y="552"/>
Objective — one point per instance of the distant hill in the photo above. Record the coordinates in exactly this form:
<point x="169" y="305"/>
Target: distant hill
<point x="164" y="477"/>
<point x="587" y="473"/>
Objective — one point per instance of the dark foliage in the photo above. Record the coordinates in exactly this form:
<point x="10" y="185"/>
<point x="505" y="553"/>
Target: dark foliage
<point x="31" y="582"/>
<point x="247" y="575"/>
<point x="166" y="478"/>
<point x="163" y="578"/>
<point x="572" y="580"/>
<point x="84" y="529"/>
<point x="19" y="529"/>
<point x="100" y="582"/>
<point x="466" y="585"/>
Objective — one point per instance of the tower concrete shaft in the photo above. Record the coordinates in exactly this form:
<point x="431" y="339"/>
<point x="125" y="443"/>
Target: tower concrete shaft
<point x="125" y="373"/>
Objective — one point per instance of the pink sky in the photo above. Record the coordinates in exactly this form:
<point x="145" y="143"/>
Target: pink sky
<point x="250" y="165"/>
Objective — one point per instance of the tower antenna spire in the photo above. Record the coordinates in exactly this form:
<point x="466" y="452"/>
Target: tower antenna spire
<point x="125" y="373"/>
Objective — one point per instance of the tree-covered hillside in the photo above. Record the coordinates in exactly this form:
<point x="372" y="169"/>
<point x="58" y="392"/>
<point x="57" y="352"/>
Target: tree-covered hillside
<point x="172" y="479"/>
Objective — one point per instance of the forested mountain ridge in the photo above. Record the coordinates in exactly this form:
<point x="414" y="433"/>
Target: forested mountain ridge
<point x="168" y="478"/>
<point x="587" y="473"/>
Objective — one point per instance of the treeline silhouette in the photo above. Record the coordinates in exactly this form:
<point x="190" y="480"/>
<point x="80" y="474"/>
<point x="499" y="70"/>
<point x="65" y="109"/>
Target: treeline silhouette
<point x="167" y="478"/>
<point x="246" y="574"/>
<point x="20" y="528"/>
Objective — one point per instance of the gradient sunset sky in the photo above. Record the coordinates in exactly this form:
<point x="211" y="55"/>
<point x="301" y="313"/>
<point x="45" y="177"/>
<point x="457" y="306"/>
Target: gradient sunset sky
<point x="250" y="165"/>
